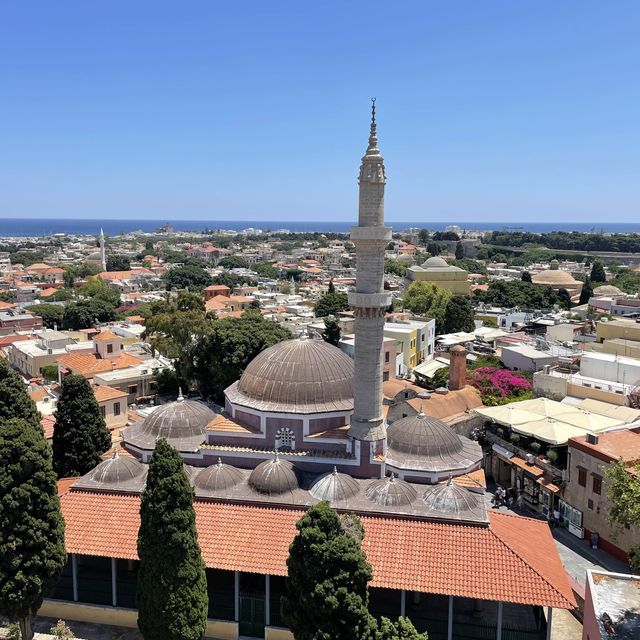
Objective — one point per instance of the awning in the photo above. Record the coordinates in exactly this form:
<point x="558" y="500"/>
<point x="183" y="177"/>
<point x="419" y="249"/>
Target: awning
<point x="501" y="451"/>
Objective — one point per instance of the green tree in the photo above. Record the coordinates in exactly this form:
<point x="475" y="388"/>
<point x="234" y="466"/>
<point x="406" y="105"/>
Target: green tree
<point x="50" y="372"/>
<point x="266" y="270"/>
<point x="623" y="492"/>
<point x="234" y="262"/>
<point x="98" y="289"/>
<point x="118" y="263"/>
<point x="395" y="267"/>
<point x="458" y="315"/>
<point x="587" y="291"/>
<point x="459" y="250"/>
<point x="402" y="629"/>
<point x="597" y="272"/>
<point x="69" y="276"/>
<point x="222" y="354"/>
<point x="564" y="299"/>
<point x="172" y="585"/>
<point x="526" y="276"/>
<point x="84" y="314"/>
<point x="440" y="378"/>
<point x="332" y="287"/>
<point x="190" y="277"/>
<point x="14" y="401"/>
<point x="330" y="304"/>
<point x="427" y="299"/>
<point x="326" y="589"/>
<point x="51" y="314"/>
<point x="81" y="435"/>
<point x="32" y="552"/>
<point x="423" y="237"/>
<point x="332" y="332"/>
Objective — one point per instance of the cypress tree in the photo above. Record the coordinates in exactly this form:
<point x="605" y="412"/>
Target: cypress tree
<point x="14" y="401"/>
<point x="525" y="277"/>
<point x="587" y="291"/>
<point x="81" y="435"/>
<point x="459" y="250"/>
<point x="172" y="586"/>
<point x="332" y="332"/>
<point x="458" y="315"/>
<point x="326" y="589"/>
<point x="597" y="272"/>
<point x="32" y="552"/>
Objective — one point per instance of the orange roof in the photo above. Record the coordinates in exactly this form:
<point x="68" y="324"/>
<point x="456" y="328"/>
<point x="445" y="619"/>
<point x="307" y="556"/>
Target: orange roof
<point x="87" y="364"/>
<point x="514" y="559"/>
<point x="48" y="425"/>
<point x="223" y="422"/>
<point x="38" y="266"/>
<point x="612" y="445"/>
<point x="448" y="405"/>
<point x="64" y="484"/>
<point x="105" y="336"/>
<point x="37" y="394"/>
<point x="45" y="293"/>
<point x="472" y="480"/>
<point x="123" y="275"/>
<point x="217" y="287"/>
<point x="104" y="393"/>
<point x="530" y="468"/>
<point x="6" y="305"/>
<point x="136" y="319"/>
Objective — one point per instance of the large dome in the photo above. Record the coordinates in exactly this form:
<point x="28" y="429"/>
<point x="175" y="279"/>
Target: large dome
<point x="116" y="473"/>
<point x="423" y="435"/>
<point x="182" y="423"/>
<point x="296" y="376"/>
<point x="426" y="444"/>
<point x="334" y="487"/>
<point x="218" y="477"/>
<point x="435" y="262"/>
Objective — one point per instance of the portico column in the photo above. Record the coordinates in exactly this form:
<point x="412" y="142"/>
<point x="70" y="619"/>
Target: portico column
<point x="499" y="623"/>
<point x="74" y="576"/>
<point x="236" y="600"/>
<point x="549" y="617"/>
<point x="403" y="598"/>
<point x="114" y="581"/>
<point x="267" y="600"/>
<point x="450" y="620"/>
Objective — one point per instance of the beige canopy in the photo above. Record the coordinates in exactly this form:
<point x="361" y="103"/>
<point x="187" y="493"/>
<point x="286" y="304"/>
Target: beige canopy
<point x="549" y="430"/>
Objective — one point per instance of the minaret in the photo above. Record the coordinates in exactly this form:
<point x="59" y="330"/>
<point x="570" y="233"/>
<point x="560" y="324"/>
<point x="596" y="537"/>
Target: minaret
<point x="369" y="299"/>
<point x="103" y="252"/>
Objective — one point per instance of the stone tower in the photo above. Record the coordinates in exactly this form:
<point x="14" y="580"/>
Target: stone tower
<point x="457" y="368"/>
<point x="369" y="299"/>
<point x="103" y="252"/>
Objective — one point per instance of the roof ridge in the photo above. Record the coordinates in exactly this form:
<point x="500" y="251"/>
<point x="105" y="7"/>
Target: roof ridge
<point x="517" y="555"/>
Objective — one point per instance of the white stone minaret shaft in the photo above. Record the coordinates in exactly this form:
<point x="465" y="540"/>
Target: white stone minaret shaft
<point x="369" y="299"/>
<point x="103" y="252"/>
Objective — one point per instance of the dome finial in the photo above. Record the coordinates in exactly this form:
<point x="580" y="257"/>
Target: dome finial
<point x="421" y="412"/>
<point x="373" y="134"/>
<point x="219" y="461"/>
<point x="335" y="470"/>
<point x="180" y="396"/>
<point x="115" y="453"/>
<point x="450" y="481"/>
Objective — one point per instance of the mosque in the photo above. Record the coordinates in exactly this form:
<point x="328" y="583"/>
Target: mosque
<point x="305" y="423"/>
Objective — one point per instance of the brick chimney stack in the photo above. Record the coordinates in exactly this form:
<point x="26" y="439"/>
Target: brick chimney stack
<point x="457" y="368"/>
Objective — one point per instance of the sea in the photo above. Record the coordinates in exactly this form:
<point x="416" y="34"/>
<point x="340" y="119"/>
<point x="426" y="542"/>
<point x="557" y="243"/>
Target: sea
<point x="32" y="227"/>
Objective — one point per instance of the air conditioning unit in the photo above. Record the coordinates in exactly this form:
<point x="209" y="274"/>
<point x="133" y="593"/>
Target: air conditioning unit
<point x="592" y="438"/>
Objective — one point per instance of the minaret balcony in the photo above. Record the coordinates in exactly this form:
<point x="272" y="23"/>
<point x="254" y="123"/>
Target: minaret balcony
<point x="369" y="300"/>
<point x="371" y="234"/>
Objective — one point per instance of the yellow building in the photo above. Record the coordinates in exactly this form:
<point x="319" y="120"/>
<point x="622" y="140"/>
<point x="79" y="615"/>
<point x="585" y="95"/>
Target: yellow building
<point x="618" y="329"/>
<point x="436" y="271"/>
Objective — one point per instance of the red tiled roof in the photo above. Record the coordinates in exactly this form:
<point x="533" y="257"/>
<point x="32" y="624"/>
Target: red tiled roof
<point x="512" y="560"/>
<point x="48" y="425"/>
<point x="105" y="336"/>
<point x="104" y="392"/>
<point x="87" y="364"/>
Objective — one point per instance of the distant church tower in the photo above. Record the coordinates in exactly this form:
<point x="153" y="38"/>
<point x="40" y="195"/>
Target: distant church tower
<point x="369" y="299"/>
<point x="103" y="252"/>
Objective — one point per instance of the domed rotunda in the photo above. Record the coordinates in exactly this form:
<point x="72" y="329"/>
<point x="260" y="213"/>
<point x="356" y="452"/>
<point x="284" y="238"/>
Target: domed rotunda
<point x="423" y="448"/>
<point x="296" y="376"/>
<point x="182" y="423"/>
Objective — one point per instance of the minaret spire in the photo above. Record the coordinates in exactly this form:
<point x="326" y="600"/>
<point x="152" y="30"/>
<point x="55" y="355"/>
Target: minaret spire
<point x="103" y="252"/>
<point x="369" y="300"/>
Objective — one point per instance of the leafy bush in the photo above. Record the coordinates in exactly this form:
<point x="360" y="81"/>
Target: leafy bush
<point x="514" y="438"/>
<point x="535" y="447"/>
<point x="552" y="455"/>
<point x="497" y="386"/>
<point x="62" y="631"/>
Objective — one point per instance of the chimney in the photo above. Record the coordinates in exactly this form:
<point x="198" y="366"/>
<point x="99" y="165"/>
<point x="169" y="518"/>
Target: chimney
<point x="457" y="368"/>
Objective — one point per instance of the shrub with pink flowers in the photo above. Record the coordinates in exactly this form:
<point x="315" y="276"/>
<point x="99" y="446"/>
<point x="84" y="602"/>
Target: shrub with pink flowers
<point x="499" y="386"/>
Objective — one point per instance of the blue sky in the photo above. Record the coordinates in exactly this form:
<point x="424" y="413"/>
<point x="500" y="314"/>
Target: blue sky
<point x="488" y="110"/>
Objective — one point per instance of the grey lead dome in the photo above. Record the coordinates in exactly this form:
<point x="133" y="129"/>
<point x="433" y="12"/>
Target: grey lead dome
<point x="273" y="477"/>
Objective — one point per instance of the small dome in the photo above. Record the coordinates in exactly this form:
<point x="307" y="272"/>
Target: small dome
<point x="450" y="498"/>
<point x="607" y="290"/>
<point x="179" y="419"/>
<point x="301" y="376"/>
<point x="273" y="477"/>
<point x="391" y="492"/>
<point x="117" y="470"/>
<point x="435" y="262"/>
<point x="423" y="435"/>
<point x="218" y="477"/>
<point x="334" y="487"/>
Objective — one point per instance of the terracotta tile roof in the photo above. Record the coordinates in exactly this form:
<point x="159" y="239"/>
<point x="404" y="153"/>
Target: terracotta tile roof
<point x="45" y="293"/>
<point x="6" y="305"/>
<point x="613" y="445"/>
<point x="48" y="425"/>
<point x="104" y="393"/>
<point x="123" y="275"/>
<point x="448" y="405"/>
<point x="472" y="480"/>
<point x="38" y="266"/>
<point x="105" y="336"/>
<point x="37" y="394"/>
<point x="87" y="364"/>
<point x="529" y="468"/>
<point x="222" y="422"/>
<point x="514" y="559"/>
<point x="394" y="386"/>
<point x="337" y="432"/>
<point x="7" y="340"/>
<point x="64" y="484"/>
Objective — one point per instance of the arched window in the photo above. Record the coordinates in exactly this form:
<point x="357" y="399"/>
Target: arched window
<point x="285" y="438"/>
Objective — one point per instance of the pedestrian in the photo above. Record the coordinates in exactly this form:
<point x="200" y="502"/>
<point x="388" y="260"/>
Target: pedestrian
<point x="519" y="501"/>
<point x="556" y="517"/>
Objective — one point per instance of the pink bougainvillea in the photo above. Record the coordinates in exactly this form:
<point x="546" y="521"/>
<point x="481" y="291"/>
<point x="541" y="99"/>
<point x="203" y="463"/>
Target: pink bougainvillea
<point x="499" y="382"/>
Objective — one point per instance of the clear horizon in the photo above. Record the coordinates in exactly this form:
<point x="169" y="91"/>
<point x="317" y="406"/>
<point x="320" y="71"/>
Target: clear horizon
<point x="160" y="110"/>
